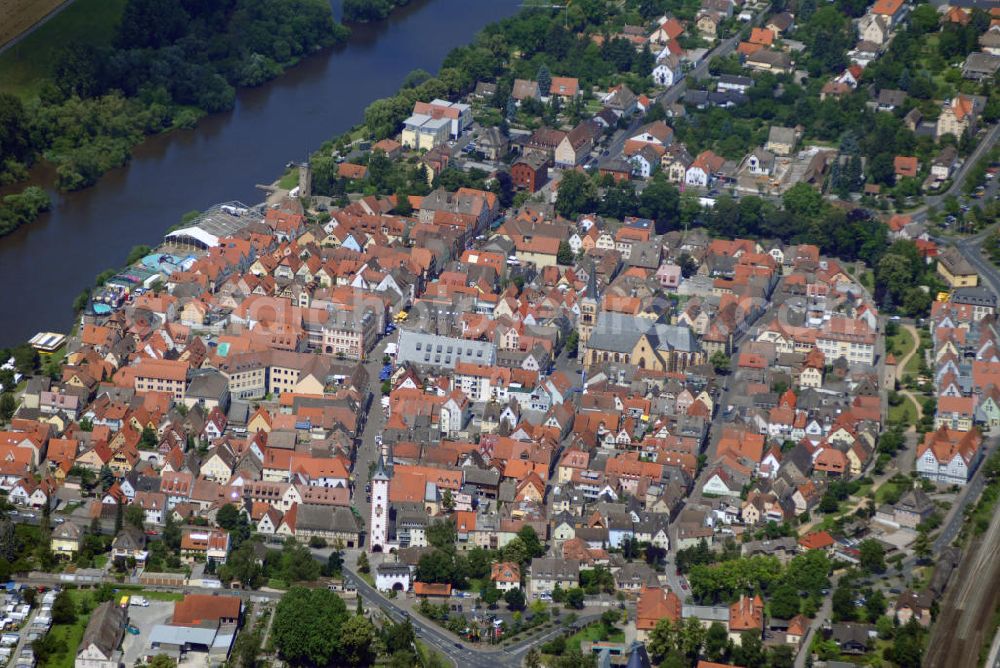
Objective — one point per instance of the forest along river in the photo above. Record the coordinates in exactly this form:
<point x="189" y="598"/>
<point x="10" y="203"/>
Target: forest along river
<point x="44" y="265"/>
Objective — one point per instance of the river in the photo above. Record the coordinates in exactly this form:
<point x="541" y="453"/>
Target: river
<point x="45" y="265"/>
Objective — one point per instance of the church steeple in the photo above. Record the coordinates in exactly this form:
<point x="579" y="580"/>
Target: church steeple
<point x="589" y="305"/>
<point x="380" y="472"/>
<point x="591" y="292"/>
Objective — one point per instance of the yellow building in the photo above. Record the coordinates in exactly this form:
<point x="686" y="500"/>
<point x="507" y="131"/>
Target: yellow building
<point x="65" y="541"/>
<point x="421" y="131"/>
<point x="956" y="270"/>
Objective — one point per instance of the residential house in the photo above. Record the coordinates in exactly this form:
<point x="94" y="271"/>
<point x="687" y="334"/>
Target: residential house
<point x="102" y="638"/>
<point x="546" y="574"/>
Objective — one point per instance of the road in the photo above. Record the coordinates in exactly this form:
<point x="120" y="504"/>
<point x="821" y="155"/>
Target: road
<point x="722" y="50"/>
<point x="969" y="494"/>
<point x="447" y="644"/>
<point x="24" y="35"/>
<point x="366" y="453"/>
<point x="718" y="424"/>
<point x="25" y="630"/>
<point x="987" y="142"/>
<point x="825" y="613"/>
<point x="672" y="94"/>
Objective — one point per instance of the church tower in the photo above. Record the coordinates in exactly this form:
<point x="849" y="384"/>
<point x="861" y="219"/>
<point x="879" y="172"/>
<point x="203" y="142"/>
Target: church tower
<point x="589" y="305"/>
<point x="378" y="527"/>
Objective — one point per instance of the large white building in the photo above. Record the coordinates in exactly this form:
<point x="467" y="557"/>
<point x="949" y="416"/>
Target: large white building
<point x="851" y="339"/>
<point x="947" y="456"/>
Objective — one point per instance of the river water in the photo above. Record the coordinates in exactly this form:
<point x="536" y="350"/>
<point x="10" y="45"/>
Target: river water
<point x="45" y="265"/>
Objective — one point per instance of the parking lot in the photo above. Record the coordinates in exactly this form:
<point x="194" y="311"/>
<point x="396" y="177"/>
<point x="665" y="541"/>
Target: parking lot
<point x="134" y="647"/>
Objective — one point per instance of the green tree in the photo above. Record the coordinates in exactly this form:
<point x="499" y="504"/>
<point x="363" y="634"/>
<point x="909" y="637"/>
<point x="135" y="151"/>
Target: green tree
<point x="246" y="649"/>
<point x="162" y="661"/>
<point x="135" y="516"/>
<point x="531" y="541"/>
<point x="8" y="540"/>
<point x="576" y="195"/>
<point x="660" y="201"/>
<point x="516" y="551"/>
<point x="574" y="598"/>
<point x="228" y="517"/>
<point x="843" y="602"/>
<point x="720" y="362"/>
<point x="363" y="566"/>
<point x="872" y="556"/>
<point x="119" y="517"/>
<point x="573" y="343"/>
<point x="515" y="599"/>
<point x="442" y="535"/>
<point x="750" y="650"/>
<point x="875" y="605"/>
<point x="308" y="624"/>
<point x="544" y="79"/>
<point x="663" y="639"/>
<point x="356" y="640"/>
<point x="565" y="254"/>
<point x="490" y="595"/>
<point x="780" y="656"/>
<point x="8" y="405"/>
<point x="907" y="647"/>
<point x="785" y="602"/>
<point x="243" y="566"/>
<point x="716" y="642"/>
<point x="448" y="500"/>
<point x="398" y="637"/>
<point x="922" y="546"/>
<point x="149" y="439"/>
<point x="803" y="200"/>
<point x="64" y="609"/>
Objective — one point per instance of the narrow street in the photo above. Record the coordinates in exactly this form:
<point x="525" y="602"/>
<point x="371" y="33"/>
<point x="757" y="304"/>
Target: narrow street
<point x="822" y="616"/>
<point x="366" y="453"/>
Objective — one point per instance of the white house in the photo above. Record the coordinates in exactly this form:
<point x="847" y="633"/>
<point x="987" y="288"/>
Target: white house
<point x="668" y="71"/>
<point x="645" y="162"/>
<point x="948" y="456"/>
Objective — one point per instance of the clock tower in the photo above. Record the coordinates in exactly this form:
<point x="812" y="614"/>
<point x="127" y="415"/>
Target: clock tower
<point x="378" y="527"/>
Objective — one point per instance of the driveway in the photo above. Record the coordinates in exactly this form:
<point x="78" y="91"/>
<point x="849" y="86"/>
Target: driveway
<point x="144" y="619"/>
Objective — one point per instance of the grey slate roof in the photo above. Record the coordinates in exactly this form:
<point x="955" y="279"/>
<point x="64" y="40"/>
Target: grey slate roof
<point x="316" y="517"/>
<point x="105" y="628"/>
<point x="616" y="332"/>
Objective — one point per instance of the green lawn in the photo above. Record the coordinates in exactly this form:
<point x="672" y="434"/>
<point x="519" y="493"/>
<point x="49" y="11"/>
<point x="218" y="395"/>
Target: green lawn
<point x="593" y="634"/>
<point x="901" y="344"/>
<point x="162" y="595"/>
<point x="23" y="67"/>
<point x="905" y="413"/>
<point x="134" y="590"/>
<point x="888" y="489"/>
<point x="70" y="634"/>
<point x="913" y="366"/>
<point x="290" y="179"/>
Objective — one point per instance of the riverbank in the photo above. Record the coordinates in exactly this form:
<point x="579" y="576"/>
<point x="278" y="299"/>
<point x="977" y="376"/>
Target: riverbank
<point x="129" y="69"/>
<point x="284" y="120"/>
